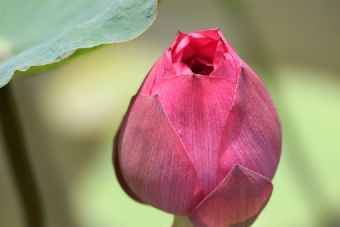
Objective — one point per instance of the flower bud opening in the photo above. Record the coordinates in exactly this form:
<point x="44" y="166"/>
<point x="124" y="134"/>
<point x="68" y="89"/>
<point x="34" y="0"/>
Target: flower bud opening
<point x="198" y="53"/>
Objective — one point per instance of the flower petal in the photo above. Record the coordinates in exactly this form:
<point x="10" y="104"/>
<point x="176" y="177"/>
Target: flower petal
<point x="115" y="159"/>
<point x="162" y="70"/>
<point x="239" y="197"/>
<point x="210" y="33"/>
<point x="118" y="171"/>
<point x="227" y="67"/>
<point x="252" y="136"/>
<point x="249" y="221"/>
<point x="153" y="159"/>
<point x="198" y="107"/>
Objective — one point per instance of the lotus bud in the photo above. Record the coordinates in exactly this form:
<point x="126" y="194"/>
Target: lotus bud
<point x="201" y="137"/>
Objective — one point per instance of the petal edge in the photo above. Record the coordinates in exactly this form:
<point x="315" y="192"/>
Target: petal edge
<point x="252" y="136"/>
<point x="239" y="197"/>
<point x="153" y="165"/>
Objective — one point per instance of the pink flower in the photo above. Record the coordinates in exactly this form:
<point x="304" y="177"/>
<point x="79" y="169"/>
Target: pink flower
<point x="201" y="137"/>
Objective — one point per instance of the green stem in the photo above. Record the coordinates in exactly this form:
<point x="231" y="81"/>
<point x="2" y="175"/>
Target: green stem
<point x="181" y="221"/>
<point x="18" y="159"/>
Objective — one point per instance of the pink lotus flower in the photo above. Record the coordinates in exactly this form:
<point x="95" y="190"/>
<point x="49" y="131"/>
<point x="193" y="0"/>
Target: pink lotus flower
<point x="201" y="137"/>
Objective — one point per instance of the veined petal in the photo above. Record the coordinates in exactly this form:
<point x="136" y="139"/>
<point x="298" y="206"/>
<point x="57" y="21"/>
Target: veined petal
<point x="238" y="198"/>
<point x="249" y="221"/>
<point x="115" y="159"/>
<point x="252" y="136"/>
<point x="118" y="171"/>
<point x="198" y="107"/>
<point x="162" y="70"/>
<point x="153" y="160"/>
<point x="227" y="67"/>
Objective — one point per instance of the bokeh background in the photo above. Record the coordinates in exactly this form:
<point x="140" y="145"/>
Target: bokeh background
<point x="71" y="114"/>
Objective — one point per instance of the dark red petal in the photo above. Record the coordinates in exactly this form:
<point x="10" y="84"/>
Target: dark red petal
<point x="115" y="158"/>
<point x="252" y="136"/>
<point x="251" y="220"/>
<point x="198" y="108"/>
<point x="118" y="172"/>
<point x="239" y="197"/>
<point x="154" y="162"/>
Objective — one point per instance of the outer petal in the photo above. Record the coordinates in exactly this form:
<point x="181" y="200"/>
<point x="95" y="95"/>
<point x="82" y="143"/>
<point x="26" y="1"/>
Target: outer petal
<point x="153" y="159"/>
<point x="162" y="70"/>
<point x="252" y="131"/>
<point x="227" y="67"/>
<point x="117" y="168"/>
<point x="251" y="220"/>
<point x="238" y="198"/>
<point x="198" y="108"/>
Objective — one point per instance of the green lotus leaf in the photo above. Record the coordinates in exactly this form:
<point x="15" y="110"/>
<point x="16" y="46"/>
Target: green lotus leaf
<point x="40" y="32"/>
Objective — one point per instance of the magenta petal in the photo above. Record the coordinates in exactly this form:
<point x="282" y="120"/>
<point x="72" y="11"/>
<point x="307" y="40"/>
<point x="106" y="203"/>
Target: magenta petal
<point x="238" y="198"/>
<point x="211" y="33"/>
<point x="115" y="158"/>
<point x="153" y="159"/>
<point x="252" y="131"/>
<point x="162" y="70"/>
<point x="228" y="67"/>
<point x="118" y="171"/>
<point x="249" y="221"/>
<point x="198" y="108"/>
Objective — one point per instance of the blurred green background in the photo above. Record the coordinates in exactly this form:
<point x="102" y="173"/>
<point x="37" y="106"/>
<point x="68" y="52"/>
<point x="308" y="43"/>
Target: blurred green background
<point x="71" y="114"/>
